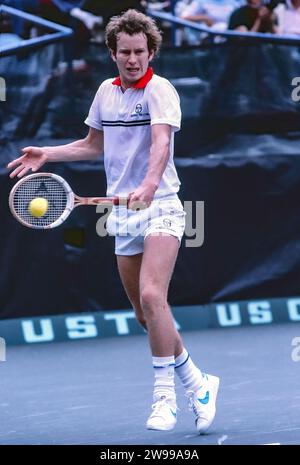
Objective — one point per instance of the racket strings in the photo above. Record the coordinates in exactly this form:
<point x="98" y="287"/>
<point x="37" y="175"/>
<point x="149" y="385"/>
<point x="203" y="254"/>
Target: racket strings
<point x="47" y="188"/>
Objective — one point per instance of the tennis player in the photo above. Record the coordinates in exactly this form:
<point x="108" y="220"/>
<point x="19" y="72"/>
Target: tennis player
<point x="132" y="120"/>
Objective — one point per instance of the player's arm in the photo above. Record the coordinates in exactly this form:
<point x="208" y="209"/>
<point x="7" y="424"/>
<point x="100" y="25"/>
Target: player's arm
<point x="34" y="158"/>
<point x="159" y="156"/>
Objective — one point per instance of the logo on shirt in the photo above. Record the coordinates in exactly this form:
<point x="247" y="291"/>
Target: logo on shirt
<point x="139" y="111"/>
<point x="138" y="108"/>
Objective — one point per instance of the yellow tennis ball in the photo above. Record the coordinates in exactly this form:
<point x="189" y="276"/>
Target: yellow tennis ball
<point x="38" y="207"/>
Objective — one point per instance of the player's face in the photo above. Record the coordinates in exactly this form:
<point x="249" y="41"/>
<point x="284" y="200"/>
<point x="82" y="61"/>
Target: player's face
<point x="132" y="57"/>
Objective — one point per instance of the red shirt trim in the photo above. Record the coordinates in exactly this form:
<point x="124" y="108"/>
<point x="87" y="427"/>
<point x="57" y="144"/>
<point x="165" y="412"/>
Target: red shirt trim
<point x="141" y="83"/>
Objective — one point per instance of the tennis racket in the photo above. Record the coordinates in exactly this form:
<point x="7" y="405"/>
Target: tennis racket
<point x="61" y="200"/>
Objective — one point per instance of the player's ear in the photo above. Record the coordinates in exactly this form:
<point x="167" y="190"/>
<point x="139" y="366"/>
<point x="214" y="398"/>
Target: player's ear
<point x="151" y="55"/>
<point x="112" y="54"/>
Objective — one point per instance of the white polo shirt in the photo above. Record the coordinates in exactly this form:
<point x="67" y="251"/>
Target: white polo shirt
<point x="126" y="119"/>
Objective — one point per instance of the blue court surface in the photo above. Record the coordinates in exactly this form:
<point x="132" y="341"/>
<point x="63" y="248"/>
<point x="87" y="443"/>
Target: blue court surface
<point x="100" y="391"/>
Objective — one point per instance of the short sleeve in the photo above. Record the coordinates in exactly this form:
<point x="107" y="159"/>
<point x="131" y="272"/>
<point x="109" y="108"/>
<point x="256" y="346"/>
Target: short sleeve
<point x="164" y="104"/>
<point x="94" y="119"/>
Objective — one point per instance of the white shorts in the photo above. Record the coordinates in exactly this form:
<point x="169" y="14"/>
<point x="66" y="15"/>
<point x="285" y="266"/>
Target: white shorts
<point x="165" y="215"/>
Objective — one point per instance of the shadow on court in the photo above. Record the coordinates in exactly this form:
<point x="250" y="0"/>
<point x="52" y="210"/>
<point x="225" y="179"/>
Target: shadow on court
<point x="100" y="391"/>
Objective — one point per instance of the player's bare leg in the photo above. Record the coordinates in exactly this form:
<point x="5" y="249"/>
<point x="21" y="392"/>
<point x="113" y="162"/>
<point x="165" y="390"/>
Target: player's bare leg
<point x="160" y="253"/>
<point x="129" y="270"/>
<point x="129" y="267"/>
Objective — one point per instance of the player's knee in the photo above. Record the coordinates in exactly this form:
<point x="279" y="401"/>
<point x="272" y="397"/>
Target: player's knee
<point x="151" y="299"/>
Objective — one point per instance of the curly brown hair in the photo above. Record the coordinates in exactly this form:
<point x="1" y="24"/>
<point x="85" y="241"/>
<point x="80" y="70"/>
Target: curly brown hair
<point x="133" y="22"/>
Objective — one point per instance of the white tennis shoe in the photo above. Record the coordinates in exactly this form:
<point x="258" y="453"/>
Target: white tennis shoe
<point x="203" y="402"/>
<point x="164" y="415"/>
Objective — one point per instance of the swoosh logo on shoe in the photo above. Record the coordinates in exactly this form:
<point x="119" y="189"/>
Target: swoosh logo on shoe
<point x="173" y="413"/>
<point x="205" y="399"/>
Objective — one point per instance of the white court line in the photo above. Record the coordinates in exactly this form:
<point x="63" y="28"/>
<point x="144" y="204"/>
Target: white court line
<point x="272" y="444"/>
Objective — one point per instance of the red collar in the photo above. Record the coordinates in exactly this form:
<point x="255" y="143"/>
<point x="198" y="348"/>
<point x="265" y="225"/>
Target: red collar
<point x="141" y="83"/>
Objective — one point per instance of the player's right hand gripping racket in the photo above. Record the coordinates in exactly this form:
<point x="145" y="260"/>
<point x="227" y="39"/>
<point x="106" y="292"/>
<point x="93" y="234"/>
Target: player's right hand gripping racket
<point x="59" y="195"/>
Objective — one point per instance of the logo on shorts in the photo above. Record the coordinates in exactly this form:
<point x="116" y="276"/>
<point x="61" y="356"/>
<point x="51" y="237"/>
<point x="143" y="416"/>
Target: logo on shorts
<point x="167" y="223"/>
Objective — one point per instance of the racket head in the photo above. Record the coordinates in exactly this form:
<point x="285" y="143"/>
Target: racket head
<point x="50" y="186"/>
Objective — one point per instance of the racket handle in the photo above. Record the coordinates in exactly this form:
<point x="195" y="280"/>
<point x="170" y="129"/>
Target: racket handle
<point x="120" y="201"/>
<point x="100" y="201"/>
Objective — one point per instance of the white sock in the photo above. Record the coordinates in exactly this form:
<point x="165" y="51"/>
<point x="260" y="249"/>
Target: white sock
<point x="189" y="374"/>
<point x="164" y="385"/>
